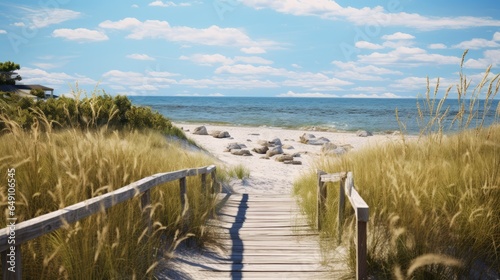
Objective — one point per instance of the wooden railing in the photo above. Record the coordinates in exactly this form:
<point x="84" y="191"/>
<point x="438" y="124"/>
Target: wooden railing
<point x="360" y="208"/>
<point x="49" y="222"/>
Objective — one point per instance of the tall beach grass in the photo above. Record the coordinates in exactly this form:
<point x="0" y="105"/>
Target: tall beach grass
<point x="433" y="201"/>
<point x="55" y="169"/>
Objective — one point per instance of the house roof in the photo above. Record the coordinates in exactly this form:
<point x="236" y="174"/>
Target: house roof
<point x="15" y="88"/>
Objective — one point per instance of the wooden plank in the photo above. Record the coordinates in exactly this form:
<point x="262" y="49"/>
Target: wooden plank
<point x="267" y="275"/>
<point x="265" y="237"/>
<point x="321" y="199"/>
<point x="49" y="222"/>
<point x="268" y="268"/>
<point x="332" y="177"/>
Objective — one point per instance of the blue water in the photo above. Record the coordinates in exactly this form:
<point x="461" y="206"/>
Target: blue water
<point x="335" y="114"/>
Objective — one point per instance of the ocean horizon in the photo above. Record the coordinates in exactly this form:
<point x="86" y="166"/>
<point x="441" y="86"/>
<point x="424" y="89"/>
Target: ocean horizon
<point x="330" y="114"/>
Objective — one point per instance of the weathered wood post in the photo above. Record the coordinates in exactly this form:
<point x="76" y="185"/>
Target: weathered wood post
<point x="361" y="262"/>
<point x="182" y="192"/>
<point x="214" y="180"/>
<point x="16" y="264"/>
<point x="204" y="183"/>
<point x="340" y="219"/>
<point x="146" y="210"/>
<point x="320" y="213"/>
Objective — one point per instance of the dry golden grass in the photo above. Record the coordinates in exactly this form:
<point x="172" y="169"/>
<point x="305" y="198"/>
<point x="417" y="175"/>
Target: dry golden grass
<point x="433" y="202"/>
<point x="57" y="169"/>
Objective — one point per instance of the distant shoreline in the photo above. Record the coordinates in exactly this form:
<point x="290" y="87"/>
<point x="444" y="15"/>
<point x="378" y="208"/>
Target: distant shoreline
<point x="311" y="114"/>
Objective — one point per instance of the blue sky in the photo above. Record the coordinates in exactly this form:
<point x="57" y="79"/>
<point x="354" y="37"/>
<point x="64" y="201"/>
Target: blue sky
<point x="291" y="48"/>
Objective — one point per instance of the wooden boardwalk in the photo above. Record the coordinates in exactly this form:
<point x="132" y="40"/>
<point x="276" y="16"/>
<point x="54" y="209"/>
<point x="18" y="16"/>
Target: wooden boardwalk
<point x="264" y="237"/>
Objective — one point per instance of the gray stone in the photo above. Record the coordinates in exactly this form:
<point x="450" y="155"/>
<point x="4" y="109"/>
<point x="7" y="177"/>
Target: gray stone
<point x="200" y="130"/>
<point x="233" y="146"/>
<point x="327" y="147"/>
<point x="220" y="134"/>
<point x="264" y="157"/>
<point x="261" y="150"/>
<point x="241" y="152"/>
<point x="318" y="141"/>
<point x="274" y="151"/>
<point x="294" y="162"/>
<point x="363" y="133"/>
<point x="263" y="143"/>
<point x="287" y="147"/>
<point x="275" y="142"/>
<point x="282" y="158"/>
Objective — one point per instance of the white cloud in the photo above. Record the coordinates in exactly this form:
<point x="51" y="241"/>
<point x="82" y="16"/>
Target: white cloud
<point x="398" y="36"/>
<point x="252" y="60"/>
<point x="45" y="65"/>
<point x="253" y="50"/>
<point x="208" y="59"/>
<point x="373" y="95"/>
<point x="437" y="46"/>
<point x="168" y="4"/>
<point x="496" y="36"/>
<point x="408" y="56"/>
<point x="144" y="88"/>
<point x="216" y="94"/>
<point x="376" y="16"/>
<point x="136" y="81"/>
<point x="367" y="45"/>
<point x="368" y="69"/>
<point x="53" y="79"/>
<point x="134" y="6"/>
<point x="477" y="78"/>
<point x="476" y="43"/>
<point x="228" y="83"/>
<point x="211" y="36"/>
<point x="126" y="23"/>
<point x="398" y="43"/>
<point x="490" y="57"/>
<point x="296" y="66"/>
<point x="3" y="31"/>
<point x="307" y="94"/>
<point x="212" y="59"/>
<point x="161" y="74"/>
<point x="80" y="35"/>
<point x="420" y="83"/>
<point x="138" y="56"/>
<point x="369" y="89"/>
<point x="353" y="71"/>
<point x="247" y="69"/>
<point x="39" y="18"/>
<point x="19" y="24"/>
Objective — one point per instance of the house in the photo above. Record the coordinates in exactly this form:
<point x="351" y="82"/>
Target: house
<point x="24" y="90"/>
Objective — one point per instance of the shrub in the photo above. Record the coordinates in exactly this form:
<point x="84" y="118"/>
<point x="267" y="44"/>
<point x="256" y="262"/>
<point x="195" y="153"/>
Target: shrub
<point x="96" y="111"/>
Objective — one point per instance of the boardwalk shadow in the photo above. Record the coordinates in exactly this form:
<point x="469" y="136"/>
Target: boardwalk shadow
<point x="238" y="248"/>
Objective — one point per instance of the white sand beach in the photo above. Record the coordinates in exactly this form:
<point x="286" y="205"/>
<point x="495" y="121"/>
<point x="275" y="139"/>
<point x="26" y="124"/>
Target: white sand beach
<point x="269" y="175"/>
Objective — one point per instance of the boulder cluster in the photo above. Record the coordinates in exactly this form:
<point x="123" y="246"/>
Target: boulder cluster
<point x="202" y="130"/>
<point x="274" y="148"/>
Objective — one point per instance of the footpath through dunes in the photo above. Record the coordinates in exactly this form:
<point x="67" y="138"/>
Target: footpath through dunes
<point x="261" y="232"/>
<point x="260" y="237"/>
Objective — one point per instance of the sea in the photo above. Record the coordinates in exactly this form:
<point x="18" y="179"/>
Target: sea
<point x="327" y="114"/>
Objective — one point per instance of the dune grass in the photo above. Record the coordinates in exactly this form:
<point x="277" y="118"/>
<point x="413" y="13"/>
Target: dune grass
<point x="55" y="169"/>
<point x="433" y="202"/>
<point x="239" y="171"/>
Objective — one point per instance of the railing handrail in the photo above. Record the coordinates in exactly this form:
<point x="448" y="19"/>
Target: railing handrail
<point x="360" y="207"/>
<point x="44" y="224"/>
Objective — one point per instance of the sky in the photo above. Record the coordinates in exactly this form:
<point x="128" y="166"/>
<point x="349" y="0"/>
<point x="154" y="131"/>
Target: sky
<point x="286" y="48"/>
